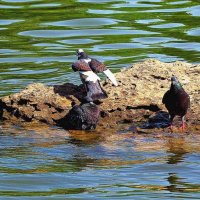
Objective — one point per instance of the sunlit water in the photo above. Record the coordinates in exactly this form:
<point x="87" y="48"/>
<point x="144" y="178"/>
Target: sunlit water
<point x="38" y="40"/>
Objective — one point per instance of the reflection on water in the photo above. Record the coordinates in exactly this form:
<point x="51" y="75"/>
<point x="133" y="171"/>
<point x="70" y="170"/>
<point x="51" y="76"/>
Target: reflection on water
<point x="37" y="44"/>
<point x="84" y="22"/>
<point x="46" y="162"/>
<point x="194" y="32"/>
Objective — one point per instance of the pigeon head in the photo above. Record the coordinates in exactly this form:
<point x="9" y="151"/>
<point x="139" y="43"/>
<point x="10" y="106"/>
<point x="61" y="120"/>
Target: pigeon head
<point x="174" y="79"/>
<point x="175" y="82"/>
<point x="81" y="54"/>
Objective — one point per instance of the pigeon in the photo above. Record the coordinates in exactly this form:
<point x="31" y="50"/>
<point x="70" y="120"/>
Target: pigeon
<point x="96" y="66"/>
<point x="177" y="101"/>
<point x="82" y="117"/>
<point x="90" y="80"/>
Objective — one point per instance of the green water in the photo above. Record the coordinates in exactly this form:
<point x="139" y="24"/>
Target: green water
<point x="38" y="40"/>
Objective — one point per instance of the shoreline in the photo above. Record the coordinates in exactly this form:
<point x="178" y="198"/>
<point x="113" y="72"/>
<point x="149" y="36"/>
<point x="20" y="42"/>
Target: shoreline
<point x="137" y="100"/>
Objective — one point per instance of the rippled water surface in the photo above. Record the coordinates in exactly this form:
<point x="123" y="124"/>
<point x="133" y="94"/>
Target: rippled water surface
<point x="38" y="40"/>
<point x="53" y="164"/>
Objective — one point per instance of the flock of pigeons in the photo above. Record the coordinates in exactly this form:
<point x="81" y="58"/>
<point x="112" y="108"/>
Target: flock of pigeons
<point x="85" y="116"/>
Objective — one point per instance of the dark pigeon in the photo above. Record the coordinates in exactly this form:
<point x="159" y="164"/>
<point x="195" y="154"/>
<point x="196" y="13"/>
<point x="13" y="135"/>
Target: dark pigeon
<point x="96" y="66"/>
<point x="94" y="90"/>
<point x="177" y="101"/>
<point x="82" y="117"/>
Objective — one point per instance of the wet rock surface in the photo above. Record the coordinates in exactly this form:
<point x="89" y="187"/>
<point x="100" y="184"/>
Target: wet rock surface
<point x="137" y="100"/>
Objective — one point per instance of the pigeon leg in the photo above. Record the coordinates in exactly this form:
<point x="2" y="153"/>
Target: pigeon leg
<point x="171" y="127"/>
<point x="183" y="126"/>
<point x="171" y="117"/>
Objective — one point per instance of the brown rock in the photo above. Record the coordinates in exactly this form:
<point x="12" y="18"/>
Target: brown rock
<point x="151" y="79"/>
<point x="138" y="96"/>
<point x="36" y="102"/>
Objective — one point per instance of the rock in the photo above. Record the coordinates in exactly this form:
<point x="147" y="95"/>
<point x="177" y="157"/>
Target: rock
<point x="138" y="96"/>
<point x="36" y="102"/>
<point x="151" y="79"/>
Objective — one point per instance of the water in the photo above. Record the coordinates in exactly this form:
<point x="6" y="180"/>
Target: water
<point x="55" y="164"/>
<point x="38" y="40"/>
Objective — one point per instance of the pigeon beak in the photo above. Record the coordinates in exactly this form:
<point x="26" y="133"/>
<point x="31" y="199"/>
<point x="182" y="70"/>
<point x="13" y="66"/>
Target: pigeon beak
<point x="174" y="79"/>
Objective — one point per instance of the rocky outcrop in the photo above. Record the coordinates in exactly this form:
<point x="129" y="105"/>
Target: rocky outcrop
<point x="138" y="98"/>
<point x="141" y="88"/>
<point x="38" y="102"/>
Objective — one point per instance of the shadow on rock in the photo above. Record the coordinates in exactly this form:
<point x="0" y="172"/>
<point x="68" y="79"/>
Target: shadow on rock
<point x="69" y="90"/>
<point x="158" y="120"/>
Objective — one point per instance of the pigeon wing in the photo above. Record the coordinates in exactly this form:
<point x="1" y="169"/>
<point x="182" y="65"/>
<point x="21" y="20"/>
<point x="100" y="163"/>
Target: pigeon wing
<point x="80" y="65"/>
<point x="166" y="97"/>
<point x="97" y="66"/>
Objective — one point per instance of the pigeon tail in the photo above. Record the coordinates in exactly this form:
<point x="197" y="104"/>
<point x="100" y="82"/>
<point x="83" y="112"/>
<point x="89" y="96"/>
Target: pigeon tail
<point x="111" y="76"/>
